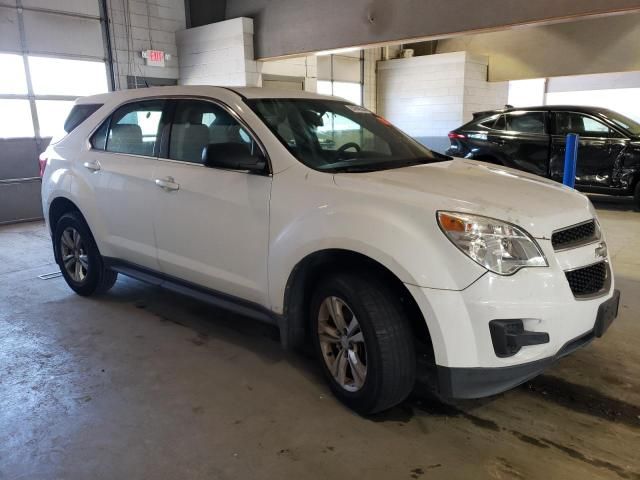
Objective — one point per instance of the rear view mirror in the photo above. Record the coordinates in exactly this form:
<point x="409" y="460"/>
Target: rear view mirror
<point x="233" y="156"/>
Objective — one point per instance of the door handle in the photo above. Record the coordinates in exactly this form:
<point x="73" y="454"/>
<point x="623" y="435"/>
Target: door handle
<point x="168" y="184"/>
<point x="93" y="166"/>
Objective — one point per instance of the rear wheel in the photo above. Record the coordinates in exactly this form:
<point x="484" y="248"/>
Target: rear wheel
<point x="363" y="342"/>
<point x="78" y="257"/>
<point x="636" y="195"/>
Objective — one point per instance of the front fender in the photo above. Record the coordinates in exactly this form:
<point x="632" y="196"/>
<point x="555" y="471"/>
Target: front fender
<point x="403" y="238"/>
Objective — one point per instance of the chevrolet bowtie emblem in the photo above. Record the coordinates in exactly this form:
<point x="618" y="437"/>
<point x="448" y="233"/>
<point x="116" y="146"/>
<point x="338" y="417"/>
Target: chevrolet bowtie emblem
<point x="601" y="250"/>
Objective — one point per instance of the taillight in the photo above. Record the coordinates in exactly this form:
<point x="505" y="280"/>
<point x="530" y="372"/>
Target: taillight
<point x="456" y="136"/>
<point x="43" y="163"/>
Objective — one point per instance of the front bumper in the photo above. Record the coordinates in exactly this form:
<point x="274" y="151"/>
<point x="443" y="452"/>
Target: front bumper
<point x="459" y="323"/>
<point x="483" y="382"/>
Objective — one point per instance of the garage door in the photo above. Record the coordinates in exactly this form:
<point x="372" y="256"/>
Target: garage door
<point x="51" y="52"/>
<point x="297" y="84"/>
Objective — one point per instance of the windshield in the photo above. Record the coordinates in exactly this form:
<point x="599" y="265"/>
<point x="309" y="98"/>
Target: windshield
<point x="623" y="122"/>
<point x="335" y="136"/>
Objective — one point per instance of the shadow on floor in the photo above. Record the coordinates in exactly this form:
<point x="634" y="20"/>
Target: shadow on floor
<point x="208" y="322"/>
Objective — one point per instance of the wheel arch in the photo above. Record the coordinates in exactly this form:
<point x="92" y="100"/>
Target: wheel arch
<point x="312" y="268"/>
<point x="58" y="207"/>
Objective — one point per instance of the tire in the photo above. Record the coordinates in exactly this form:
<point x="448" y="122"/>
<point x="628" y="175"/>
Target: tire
<point x="84" y="270"/>
<point x="382" y="342"/>
<point x="636" y="195"/>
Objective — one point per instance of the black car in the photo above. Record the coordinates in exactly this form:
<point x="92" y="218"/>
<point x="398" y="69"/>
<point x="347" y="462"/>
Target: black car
<point x="533" y="139"/>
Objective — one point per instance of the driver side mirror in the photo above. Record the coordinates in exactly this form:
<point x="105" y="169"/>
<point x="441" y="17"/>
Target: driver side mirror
<point x="233" y="156"/>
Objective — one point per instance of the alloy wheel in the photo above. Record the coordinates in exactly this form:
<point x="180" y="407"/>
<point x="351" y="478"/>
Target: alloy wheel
<point x="342" y="344"/>
<point x="74" y="255"/>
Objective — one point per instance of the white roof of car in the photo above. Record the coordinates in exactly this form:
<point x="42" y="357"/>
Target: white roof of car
<point x="199" y="90"/>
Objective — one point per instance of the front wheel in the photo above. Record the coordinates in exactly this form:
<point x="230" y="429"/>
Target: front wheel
<point x="79" y="258"/>
<point x="363" y="341"/>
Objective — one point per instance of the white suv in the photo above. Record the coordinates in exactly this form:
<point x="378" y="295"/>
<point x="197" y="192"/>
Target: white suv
<point x="395" y="263"/>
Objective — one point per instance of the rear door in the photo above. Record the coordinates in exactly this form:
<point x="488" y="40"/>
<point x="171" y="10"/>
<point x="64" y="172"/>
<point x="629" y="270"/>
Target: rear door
<point x="119" y="167"/>
<point x="211" y="224"/>
<point x="598" y="150"/>
<point x="523" y="141"/>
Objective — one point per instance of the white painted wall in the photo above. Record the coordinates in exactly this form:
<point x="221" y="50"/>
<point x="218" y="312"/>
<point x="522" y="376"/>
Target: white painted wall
<point x="527" y="93"/>
<point x="617" y="91"/>
<point x="143" y="25"/>
<point x="429" y="96"/>
<point x="480" y="94"/>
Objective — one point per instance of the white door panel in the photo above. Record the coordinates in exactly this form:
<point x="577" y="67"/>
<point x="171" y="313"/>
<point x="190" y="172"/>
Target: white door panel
<point x="122" y="186"/>
<point x="213" y="229"/>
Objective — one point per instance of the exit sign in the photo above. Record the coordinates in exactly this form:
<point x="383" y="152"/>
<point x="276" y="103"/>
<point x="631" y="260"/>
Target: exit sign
<point x="155" y="58"/>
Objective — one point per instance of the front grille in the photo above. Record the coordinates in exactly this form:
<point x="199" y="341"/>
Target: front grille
<point x="574" y="236"/>
<point x="588" y="280"/>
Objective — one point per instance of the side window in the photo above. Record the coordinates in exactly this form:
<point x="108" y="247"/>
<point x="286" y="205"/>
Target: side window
<point x="78" y="114"/>
<point x="568" y="122"/>
<point x="198" y="124"/>
<point x="134" y="128"/>
<point x="490" y="122"/>
<point x="525" y="122"/>
<point x="501" y="123"/>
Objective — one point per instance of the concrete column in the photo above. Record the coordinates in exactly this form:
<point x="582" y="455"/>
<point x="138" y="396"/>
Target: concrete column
<point x="370" y="97"/>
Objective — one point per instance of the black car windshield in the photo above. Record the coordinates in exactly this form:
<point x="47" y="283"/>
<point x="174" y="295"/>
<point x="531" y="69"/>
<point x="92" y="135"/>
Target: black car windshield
<point x="335" y="136"/>
<point x="623" y="122"/>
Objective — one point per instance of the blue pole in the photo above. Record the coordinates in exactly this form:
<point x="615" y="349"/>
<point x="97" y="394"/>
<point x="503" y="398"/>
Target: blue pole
<point x="570" y="160"/>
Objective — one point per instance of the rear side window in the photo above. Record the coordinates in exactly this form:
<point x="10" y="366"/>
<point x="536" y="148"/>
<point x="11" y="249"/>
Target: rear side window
<point x="525" y="122"/>
<point x="78" y="114"/>
<point x="500" y="124"/>
<point x="487" y="122"/>
<point x="132" y="129"/>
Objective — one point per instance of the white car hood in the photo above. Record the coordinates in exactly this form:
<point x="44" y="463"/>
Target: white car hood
<point x="538" y="205"/>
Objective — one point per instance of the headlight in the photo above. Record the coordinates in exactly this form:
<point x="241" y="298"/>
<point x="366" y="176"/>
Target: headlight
<point x="498" y="246"/>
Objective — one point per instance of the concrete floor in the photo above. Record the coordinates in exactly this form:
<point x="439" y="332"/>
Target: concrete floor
<point x="142" y="383"/>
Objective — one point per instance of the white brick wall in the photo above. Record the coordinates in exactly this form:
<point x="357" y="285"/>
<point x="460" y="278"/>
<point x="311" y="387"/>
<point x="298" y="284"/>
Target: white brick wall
<point x="429" y="96"/>
<point x="138" y="25"/>
<point x="479" y="94"/>
<point x="218" y="54"/>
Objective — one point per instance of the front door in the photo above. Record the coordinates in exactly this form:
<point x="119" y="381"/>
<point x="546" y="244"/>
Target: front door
<point x="119" y="169"/>
<point x="598" y="149"/>
<point x="212" y="225"/>
<point x="522" y="141"/>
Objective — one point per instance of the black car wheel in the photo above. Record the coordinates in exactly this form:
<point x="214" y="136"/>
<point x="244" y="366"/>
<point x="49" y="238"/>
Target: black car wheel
<point x="78" y="257"/>
<point x="363" y="341"/>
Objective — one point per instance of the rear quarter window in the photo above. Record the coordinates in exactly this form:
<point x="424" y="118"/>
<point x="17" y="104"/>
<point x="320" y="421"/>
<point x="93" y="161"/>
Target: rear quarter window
<point x="78" y="114"/>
